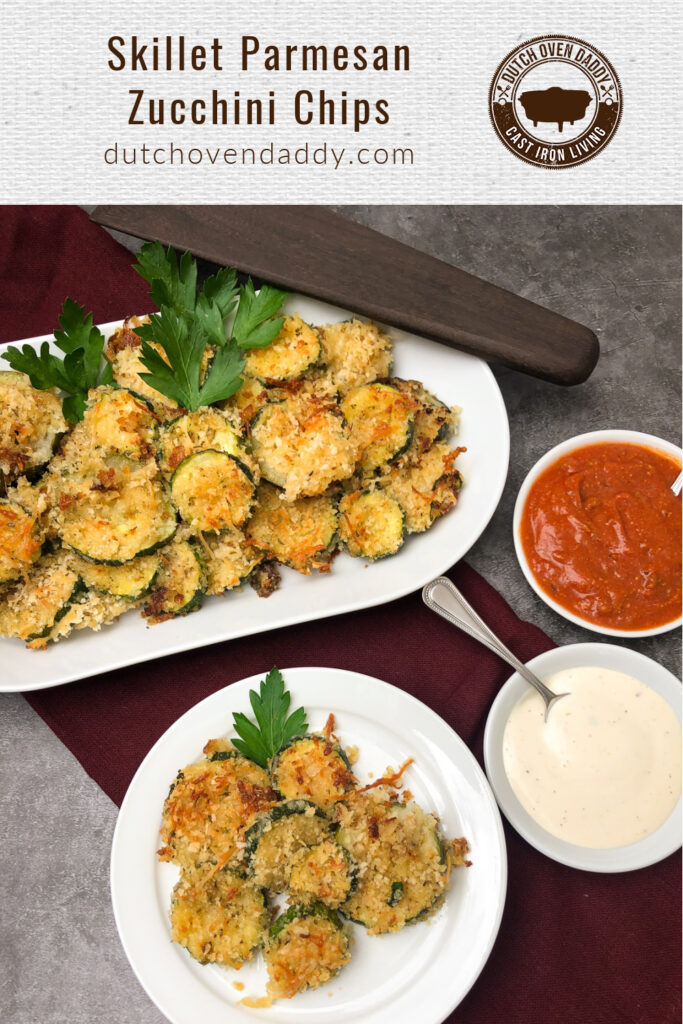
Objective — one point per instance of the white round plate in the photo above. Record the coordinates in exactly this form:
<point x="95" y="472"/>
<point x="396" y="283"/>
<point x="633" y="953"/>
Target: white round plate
<point x="419" y="974"/>
<point x="654" y="847"/>
<point x="570" y="445"/>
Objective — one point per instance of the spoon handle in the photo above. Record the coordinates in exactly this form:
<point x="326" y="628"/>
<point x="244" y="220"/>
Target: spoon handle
<point x="444" y="598"/>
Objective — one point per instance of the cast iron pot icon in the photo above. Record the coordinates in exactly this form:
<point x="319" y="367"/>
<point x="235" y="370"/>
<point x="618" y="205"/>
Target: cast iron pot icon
<point x="555" y="104"/>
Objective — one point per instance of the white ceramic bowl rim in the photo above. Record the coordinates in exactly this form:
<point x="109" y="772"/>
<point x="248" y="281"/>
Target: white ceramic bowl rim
<point x="563" y="448"/>
<point x="653" y="848"/>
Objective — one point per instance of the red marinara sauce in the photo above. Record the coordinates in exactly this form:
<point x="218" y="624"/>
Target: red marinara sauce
<point x="601" y="532"/>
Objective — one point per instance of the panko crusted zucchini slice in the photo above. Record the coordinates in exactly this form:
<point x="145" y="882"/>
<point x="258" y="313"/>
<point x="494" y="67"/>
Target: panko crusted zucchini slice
<point x="218" y="916"/>
<point x="302" y="444"/>
<point x="406" y="861"/>
<point x="130" y="581"/>
<point x="356" y="353"/>
<point x="115" y="513"/>
<point x="312" y="768"/>
<point x="306" y="948"/>
<point x="203" y="430"/>
<point x="20" y="541"/>
<point x="230" y="560"/>
<point x="299" y="533"/>
<point x="371" y="524"/>
<point x="427" y="490"/>
<point x="181" y="581"/>
<point x="120" y="422"/>
<point x="434" y="420"/>
<point x="277" y="836"/>
<point x="381" y="420"/>
<point x="213" y="491"/>
<point x="324" y="872"/>
<point x="295" y="351"/>
<point x="33" y="607"/>
<point x="30" y="425"/>
<point x="208" y="808"/>
<point x="246" y="402"/>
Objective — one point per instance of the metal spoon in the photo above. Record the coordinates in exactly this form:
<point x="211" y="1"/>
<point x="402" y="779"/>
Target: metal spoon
<point x="677" y="485"/>
<point x="444" y="598"/>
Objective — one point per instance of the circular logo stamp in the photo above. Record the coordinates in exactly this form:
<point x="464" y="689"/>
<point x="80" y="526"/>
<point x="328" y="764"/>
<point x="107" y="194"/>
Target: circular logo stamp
<point x="555" y="101"/>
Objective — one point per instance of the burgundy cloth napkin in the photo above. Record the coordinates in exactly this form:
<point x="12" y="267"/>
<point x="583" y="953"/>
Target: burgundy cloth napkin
<point x="574" y="947"/>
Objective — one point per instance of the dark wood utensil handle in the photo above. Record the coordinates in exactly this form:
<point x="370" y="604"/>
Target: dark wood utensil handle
<point x="317" y="252"/>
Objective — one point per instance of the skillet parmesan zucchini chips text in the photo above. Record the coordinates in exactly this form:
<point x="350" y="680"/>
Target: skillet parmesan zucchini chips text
<point x="182" y="458"/>
<point x="281" y="856"/>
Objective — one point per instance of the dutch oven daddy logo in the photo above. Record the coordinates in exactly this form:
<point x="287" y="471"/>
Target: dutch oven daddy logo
<point x="555" y="101"/>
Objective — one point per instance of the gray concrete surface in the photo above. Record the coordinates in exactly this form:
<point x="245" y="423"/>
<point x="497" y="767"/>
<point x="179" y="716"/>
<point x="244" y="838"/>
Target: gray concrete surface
<point x="618" y="270"/>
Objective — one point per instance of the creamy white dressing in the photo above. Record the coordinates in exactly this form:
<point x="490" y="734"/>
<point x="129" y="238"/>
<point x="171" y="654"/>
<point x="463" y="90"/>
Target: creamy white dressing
<point x="605" y="769"/>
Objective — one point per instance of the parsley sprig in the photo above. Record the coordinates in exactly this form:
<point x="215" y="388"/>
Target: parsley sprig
<point x="79" y="370"/>
<point x="188" y="321"/>
<point x="275" y="726"/>
<point x="189" y="355"/>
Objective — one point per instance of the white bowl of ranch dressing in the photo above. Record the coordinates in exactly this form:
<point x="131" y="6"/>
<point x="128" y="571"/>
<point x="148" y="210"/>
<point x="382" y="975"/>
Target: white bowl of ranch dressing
<point x="597" y="786"/>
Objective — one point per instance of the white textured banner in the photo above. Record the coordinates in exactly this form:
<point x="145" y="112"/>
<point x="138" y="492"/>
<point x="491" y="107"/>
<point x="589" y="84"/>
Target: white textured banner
<point x="416" y="128"/>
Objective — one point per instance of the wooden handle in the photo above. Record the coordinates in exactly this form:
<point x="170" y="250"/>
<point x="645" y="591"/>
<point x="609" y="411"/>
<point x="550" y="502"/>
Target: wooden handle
<point x="312" y="250"/>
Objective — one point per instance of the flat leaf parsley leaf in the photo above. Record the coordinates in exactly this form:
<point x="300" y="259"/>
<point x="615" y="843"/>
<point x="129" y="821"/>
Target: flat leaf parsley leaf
<point x="253" y="327"/>
<point x="275" y="727"/>
<point x="79" y="370"/>
<point x="200" y="363"/>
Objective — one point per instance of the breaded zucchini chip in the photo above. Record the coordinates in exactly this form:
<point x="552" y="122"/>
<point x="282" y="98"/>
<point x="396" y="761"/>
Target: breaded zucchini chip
<point x="209" y="807"/>
<point x="218" y="916"/>
<point x="230" y="560"/>
<point x="213" y="491"/>
<point x="276" y="838"/>
<point x="370" y="524"/>
<point x="312" y="768"/>
<point x="31" y="609"/>
<point x="180" y="583"/>
<point x="302" y="444"/>
<point x="31" y="423"/>
<point x="324" y="872"/>
<point x="403" y="860"/>
<point x="296" y="350"/>
<point x="130" y="581"/>
<point x="203" y="430"/>
<point x="246" y="402"/>
<point x="434" y="421"/>
<point x="113" y="509"/>
<point x="427" y="490"/>
<point x="298" y="533"/>
<point x="356" y="353"/>
<point x="306" y="948"/>
<point x="20" y="541"/>
<point x="381" y="419"/>
<point x="120" y="422"/>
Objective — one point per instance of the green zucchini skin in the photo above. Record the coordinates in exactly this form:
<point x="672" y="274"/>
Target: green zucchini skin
<point x="225" y="755"/>
<point x="396" y="894"/>
<point x="303" y="910"/>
